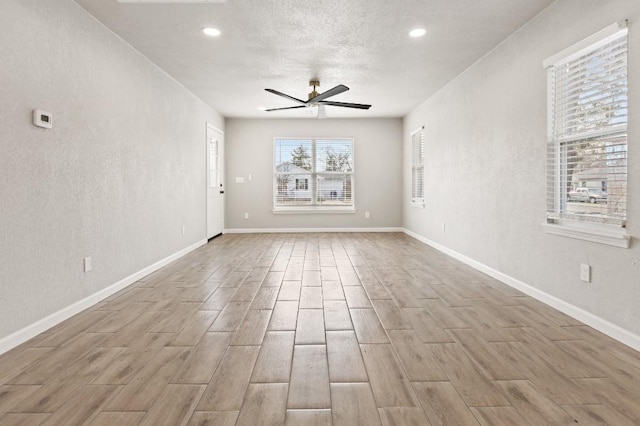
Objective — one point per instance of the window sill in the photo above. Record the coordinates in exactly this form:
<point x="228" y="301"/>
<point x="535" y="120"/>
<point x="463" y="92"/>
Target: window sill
<point x="417" y="205"/>
<point x="596" y="233"/>
<point x="313" y="210"/>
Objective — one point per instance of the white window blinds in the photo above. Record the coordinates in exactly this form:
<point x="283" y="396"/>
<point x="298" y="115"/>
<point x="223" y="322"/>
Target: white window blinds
<point x="417" y="167"/>
<point x="587" y="148"/>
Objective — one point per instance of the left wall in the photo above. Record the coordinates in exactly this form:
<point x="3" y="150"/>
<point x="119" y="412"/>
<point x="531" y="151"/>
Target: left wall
<point x="119" y="175"/>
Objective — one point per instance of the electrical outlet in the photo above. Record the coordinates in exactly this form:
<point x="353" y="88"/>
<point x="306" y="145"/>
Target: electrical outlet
<point x="444" y="226"/>
<point x="250" y="177"/>
<point x="87" y="264"/>
<point x="585" y="272"/>
<point x="183" y="229"/>
<point x="246" y="215"/>
<point x="367" y="215"/>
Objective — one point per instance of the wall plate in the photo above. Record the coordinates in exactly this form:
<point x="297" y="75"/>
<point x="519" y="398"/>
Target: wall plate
<point x="585" y="272"/>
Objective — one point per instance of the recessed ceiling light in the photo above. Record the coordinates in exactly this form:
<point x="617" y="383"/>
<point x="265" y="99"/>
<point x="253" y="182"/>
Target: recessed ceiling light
<point x="262" y="108"/>
<point x="418" y="32"/>
<point x="212" y="32"/>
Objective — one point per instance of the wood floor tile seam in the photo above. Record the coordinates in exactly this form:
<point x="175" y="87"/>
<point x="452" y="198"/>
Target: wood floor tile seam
<point x="2" y="413"/>
<point x="490" y="406"/>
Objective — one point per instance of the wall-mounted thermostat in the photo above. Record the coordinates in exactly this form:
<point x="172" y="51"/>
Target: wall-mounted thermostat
<point x="42" y="119"/>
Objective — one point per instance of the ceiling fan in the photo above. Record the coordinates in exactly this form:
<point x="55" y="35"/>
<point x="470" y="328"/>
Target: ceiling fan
<point x="318" y="99"/>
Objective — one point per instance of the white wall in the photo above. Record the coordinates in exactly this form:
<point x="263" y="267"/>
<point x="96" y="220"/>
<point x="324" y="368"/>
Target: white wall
<point x="485" y="167"/>
<point x="117" y="177"/>
<point x="377" y="184"/>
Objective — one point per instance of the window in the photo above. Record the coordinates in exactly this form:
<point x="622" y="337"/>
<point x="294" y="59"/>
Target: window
<point x="313" y="174"/>
<point x="587" y="134"/>
<point x="417" y="168"/>
<point x="213" y="163"/>
<point x="302" y="184"/>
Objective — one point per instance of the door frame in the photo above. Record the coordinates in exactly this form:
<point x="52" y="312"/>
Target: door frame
<point x="221" y="171"/>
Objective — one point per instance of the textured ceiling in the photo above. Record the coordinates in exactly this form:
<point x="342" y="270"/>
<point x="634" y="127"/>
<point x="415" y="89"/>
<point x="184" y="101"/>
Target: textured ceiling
<point x="282" y="44"/>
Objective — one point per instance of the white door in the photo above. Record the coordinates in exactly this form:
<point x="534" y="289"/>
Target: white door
<point x="215" y="185"/>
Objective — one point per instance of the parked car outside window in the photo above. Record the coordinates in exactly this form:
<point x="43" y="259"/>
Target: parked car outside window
<point x="592" y="195"/>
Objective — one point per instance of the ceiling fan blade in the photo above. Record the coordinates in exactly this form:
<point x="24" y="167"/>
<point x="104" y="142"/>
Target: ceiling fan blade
<point x="293" y="107"/>
<point x="275" y="92"/>
<point x="331" y="92"/>
<point x="346" y="104"/>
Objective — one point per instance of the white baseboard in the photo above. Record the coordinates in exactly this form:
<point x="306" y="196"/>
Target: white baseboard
<point x="306" y="230"/>
<point x="17" y="338"/>
<point x="614" y="331"/>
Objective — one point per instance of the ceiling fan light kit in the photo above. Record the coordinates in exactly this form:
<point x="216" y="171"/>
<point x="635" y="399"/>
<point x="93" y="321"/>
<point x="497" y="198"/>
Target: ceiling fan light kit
<point x="316" y="99"/>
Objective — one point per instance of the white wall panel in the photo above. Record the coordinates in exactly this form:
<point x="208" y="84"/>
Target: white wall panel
<point x="377" y="184"/>
<point x="120" y="173"/>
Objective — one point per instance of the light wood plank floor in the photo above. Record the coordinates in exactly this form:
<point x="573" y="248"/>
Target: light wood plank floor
<point x="306" y="329"/>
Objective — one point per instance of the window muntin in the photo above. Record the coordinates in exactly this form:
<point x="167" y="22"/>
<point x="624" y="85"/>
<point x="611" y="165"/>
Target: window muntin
<point x="313" y="173"/>
<point x="417" y="167"/>
<point x="587" y="144"/>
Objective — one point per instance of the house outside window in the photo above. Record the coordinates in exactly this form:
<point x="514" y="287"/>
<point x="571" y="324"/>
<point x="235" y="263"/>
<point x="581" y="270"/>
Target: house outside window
<point x="587" y="136"/>
<point x="313" y="175"/>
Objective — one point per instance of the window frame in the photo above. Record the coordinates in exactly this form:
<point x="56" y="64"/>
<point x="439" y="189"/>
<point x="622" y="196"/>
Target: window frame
<point x="604" y="229"/>
<point x="313" y="174"/>
<point x="417" y="166"/>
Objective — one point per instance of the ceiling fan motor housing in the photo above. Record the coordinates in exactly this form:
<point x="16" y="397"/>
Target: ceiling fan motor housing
<point x="314" y="84"/>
